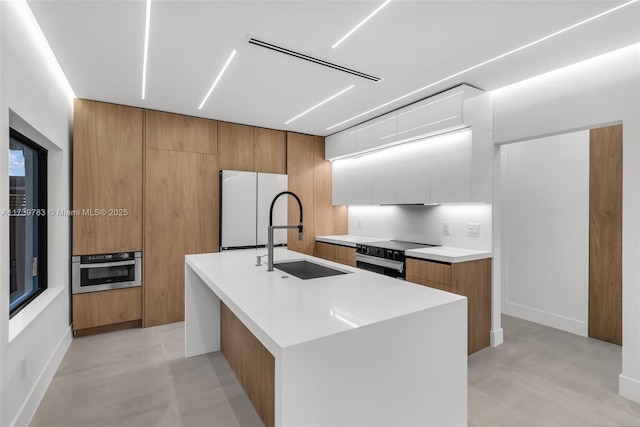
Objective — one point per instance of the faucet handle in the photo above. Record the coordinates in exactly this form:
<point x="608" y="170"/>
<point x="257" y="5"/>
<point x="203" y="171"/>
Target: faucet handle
<point x="259" y="259"/>
<point x="300" y="233"/>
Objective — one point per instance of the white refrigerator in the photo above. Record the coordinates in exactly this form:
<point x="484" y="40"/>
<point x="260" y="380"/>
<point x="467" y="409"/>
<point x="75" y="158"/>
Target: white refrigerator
<point x="245" y="199"/>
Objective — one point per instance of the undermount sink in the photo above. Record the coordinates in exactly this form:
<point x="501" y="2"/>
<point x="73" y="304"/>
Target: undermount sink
<point x="304" y="269"/>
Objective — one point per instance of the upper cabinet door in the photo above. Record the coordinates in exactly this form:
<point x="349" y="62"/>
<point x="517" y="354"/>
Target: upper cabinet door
<point x="235" y="147"/>
<point x="430" y="115"/>
<point x="340" y="144"/>
<point x="107" y="175"/>
<point x="377" y="132"/>
<point x="270" y="151"/>
<point x="175" y="132"/>
<point x="451" y="168"/>
<point x="414" y="172"/>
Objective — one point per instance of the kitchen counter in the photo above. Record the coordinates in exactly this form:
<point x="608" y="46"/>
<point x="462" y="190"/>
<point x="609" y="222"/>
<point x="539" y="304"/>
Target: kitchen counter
<point x="347" y="239"/>
<point x="355" y="349"/>
<point x="448" y="254"/>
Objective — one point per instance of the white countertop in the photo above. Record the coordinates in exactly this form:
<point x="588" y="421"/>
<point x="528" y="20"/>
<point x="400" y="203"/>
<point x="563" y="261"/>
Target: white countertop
<point x="448" y="254"/>
<point x="348" y="239"/>
<point x="284" y="312"/>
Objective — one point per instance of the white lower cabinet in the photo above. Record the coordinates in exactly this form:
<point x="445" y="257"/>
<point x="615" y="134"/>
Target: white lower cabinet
<point x="451" y="168"/>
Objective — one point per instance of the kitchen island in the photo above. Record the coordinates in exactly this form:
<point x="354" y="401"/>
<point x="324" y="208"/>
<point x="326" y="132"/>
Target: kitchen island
<point x="352" y="349"/>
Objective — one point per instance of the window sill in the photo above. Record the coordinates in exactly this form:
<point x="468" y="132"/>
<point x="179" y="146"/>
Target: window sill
<point x="21" y="321"/>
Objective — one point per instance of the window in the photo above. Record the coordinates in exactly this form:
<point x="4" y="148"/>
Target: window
<point x="27" y="221"/>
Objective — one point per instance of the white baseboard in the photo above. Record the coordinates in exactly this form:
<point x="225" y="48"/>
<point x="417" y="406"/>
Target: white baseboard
<point x="36" y="394"/>
<point x="629" y="388"/>
<point x="497" y="337"/>
<point x="545" y="318"/>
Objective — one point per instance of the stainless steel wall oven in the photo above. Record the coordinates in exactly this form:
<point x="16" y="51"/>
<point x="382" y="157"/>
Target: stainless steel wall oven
<point x="101" y="272"/>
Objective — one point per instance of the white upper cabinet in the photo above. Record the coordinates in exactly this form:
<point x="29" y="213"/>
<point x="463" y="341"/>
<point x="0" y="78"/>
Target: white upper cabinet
<point x="340" y="144"/>
<point x="413" y="165"/>
<point x="456" y="108"/>
<point x="377" y="132"/>
<point x="430" y="115"/>
<point x="451" y="167"/>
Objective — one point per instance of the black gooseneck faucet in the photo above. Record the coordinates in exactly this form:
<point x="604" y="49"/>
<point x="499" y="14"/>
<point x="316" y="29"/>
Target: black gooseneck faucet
<point x="274" y="227"/>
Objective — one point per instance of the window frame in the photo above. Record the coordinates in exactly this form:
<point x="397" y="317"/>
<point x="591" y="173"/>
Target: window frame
<point x="43" y="155"/>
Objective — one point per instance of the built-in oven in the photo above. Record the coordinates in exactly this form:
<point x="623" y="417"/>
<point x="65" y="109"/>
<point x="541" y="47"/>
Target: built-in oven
<point x="101" y="272"/>
<point x="385" y="257"/>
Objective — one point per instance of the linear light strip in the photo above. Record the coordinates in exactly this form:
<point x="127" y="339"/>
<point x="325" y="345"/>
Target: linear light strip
<point x="318" y="105"/>
<point x="360" y="24"/>
<point x="226" y="64"/>
<point x="146" y="48"/>
<point x="488" y="61"/>
<point x="31" y="24"/>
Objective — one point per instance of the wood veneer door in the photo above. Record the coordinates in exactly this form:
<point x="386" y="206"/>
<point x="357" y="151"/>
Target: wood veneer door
<point x="473" y="280"/>
<point x="94" y="309"/>
<point x="328" y="220"/>
<point x="107" y="175"/>
<point x="270" y="151"/>
<point x="235" y="147"/>
<point x="605" y="234"/>
<point x="300" y="162"/>
<point x="181" y="218"/>
<point x="177" y="132"/>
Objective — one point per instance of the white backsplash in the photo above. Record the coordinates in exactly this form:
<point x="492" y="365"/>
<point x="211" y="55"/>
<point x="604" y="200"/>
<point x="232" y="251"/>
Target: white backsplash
<point x="424" y="224"/>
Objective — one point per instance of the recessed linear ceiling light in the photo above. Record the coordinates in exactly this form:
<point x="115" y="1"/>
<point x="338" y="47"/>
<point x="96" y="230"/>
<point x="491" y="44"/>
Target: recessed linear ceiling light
<point x="226" y="64"/>
<point x="571" y="27"/>
<point x="360" y="24"/>
<point x="30" y="23"/>
<point x="318" y="104"/>
<point x="146" y="48"/>
<point x="312" y="59"/>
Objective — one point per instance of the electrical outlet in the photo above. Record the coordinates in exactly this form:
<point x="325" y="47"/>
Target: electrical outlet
<point x="446" y="228"/>
<point x="473" y="229"/>
<point x="23" y="368"/>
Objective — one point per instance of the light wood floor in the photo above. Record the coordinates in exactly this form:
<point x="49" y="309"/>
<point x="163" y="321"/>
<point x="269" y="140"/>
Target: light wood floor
<point x="139" y="377"/>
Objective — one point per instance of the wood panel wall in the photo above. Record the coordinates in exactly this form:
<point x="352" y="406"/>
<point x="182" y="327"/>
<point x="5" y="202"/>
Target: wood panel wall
<point x="252" y="363"/>
<point x="107" y="165"/>
<point x="605" y="234"/>
<point x="310" y="178"/>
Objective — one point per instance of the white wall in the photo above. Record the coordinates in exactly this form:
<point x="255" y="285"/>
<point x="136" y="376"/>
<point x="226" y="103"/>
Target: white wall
<point x="423" y="224"/>
<point x="589" y="94"/>
<point x="33" y="100"/>
<point x="545" y="223"/>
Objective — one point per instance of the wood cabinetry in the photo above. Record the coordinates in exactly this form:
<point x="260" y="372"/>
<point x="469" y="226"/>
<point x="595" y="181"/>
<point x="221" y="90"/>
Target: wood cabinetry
<point x="95" y="309"/>
<point x="471" y="279"/>
<point x="181" y="214"/>
<point x="247" y="148"/>
<point x="252" y="363"/>
<point x="309" y="176"/>
<point x="605" y="234"/>
<point x="236" y="145"/>
<point x="336" y="253"/>
<point x="270" y="151"/>
<point x="107" y="175"/>
<point x="167" y="131"/>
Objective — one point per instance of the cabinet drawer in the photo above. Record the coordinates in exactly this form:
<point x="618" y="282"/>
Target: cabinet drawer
<point x="429" y="271"/>
<point x="107" y="307"/>
<point x="326" y="251"/>
<point x="429" y="283"/>
<point x="345" y="255"/>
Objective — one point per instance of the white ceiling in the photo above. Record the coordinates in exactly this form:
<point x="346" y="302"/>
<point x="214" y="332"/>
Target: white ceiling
<point x="410" y="44"/>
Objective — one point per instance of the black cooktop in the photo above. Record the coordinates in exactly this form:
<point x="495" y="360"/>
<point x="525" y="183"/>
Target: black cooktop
<point x="397" y="245"/>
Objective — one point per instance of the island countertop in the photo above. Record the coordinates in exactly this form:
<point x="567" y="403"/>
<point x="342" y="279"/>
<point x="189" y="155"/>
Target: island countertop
<point x="283" y="310"/>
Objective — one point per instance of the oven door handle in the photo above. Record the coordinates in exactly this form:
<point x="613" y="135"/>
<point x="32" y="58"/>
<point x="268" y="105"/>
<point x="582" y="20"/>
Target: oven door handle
<point x="383" y="262"/>
<point x="108" y="264"/>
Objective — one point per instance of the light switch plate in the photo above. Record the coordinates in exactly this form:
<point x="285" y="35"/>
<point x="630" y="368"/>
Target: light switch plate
<point x="473" y="229"/>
